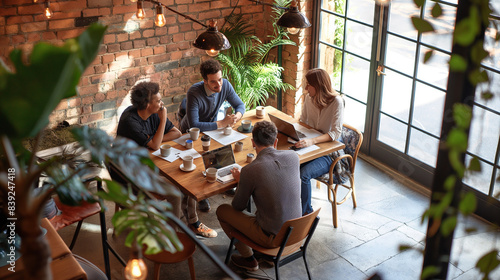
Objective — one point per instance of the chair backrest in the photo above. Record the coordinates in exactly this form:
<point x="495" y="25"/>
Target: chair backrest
<point x="352" y="138"/>
<point x="301" y="227"/>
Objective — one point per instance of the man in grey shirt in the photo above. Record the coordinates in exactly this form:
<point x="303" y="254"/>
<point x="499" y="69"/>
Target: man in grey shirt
<point x="273" y="181"/>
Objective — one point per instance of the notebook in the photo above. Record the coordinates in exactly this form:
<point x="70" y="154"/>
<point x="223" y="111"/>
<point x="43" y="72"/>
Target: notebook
<point x="287" y="128"/>
<point x="223" y="159"/>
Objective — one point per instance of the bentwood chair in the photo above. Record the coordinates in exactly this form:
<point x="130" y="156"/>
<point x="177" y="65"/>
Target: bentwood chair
<point x="342" y="173"/>
<point x="291" y="241"/>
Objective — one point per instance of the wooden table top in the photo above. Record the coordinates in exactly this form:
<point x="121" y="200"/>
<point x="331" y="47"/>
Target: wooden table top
<point x="194" y="183"/>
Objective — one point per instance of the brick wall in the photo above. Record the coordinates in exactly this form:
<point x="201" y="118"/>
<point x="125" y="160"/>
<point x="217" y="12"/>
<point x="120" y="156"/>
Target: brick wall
<point x="132" y="50"/>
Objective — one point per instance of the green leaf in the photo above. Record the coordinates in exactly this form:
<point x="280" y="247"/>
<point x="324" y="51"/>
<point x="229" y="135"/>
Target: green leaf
<point x="429" y="271"/>
<point x="478" y="76"/>
<point x="468" y="28"/>
<point x="436" y="10"/>
<point x="422" y="25"/>
<point x="458" y="63"/>
<point x="478" y="53"/>
<point x="468" y="204"/>
<point x="428" y="55"/>
<point x="457" y="140"/>
<point x="448" y="225"/>
<point x="488" y="262"/>
<point x="419" y="3"/>
<point x="449" y="183"/>
<point x="462" y="115"/>
<point x="455" y="158"/>
<point x="487" y="95"/>
<point x="474" y="164"/>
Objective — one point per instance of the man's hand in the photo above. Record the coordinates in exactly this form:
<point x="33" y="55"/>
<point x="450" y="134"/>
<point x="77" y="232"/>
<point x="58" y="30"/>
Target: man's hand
<point x="229" y="120"/>
<point x="162" y="113"/>
<point x="236" y="174"/>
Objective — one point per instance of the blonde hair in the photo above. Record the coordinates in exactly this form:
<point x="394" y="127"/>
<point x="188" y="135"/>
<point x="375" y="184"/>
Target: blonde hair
<point x="320" y="80"/>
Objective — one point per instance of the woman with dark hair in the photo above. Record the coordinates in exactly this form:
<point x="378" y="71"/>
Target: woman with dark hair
<point x="323" y="110"/>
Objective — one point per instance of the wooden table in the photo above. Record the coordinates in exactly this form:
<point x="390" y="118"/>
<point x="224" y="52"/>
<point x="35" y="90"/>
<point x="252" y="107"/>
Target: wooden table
<point x="194" y="184"/>
<point x="63" y="265"/>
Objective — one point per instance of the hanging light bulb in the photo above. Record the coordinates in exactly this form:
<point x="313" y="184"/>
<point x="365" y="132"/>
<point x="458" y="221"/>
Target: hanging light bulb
<point x="293" y="30"/>
<point x="212" y="52"/>
<point x="140" y="11"/>
<point x="133" y="1"/>
<point x="35" y="1"/>
<point x="48" y="12"/>
<point x="136" y="268"/>
<point x="383" y="2"/>
<point x="160" y="17"/>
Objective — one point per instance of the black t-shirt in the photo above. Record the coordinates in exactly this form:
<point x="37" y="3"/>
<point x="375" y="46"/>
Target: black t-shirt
<point x="132" y="126"/>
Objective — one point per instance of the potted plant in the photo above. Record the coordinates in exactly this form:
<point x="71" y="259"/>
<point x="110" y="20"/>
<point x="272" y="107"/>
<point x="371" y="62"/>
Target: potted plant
<point x="245" y="65"/>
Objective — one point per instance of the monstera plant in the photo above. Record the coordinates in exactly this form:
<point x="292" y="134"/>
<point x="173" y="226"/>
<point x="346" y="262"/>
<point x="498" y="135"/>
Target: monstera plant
<point x="29" y="94"/>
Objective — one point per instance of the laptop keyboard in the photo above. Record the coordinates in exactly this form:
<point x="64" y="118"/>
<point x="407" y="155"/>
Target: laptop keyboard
<point x="224" y="171"/>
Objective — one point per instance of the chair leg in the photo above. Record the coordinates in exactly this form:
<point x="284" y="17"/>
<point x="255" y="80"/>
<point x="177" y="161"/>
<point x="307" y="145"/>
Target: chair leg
<point x="191" y="268"/>
<point x="277" y="269"/>
<point x="332" y="197"/>
<point x="305" y="263"/>
<point x="75" y="236"/>
<point x="354" y="204"/>
<point x="229" y="251"/>
<point x="157" y="271"/>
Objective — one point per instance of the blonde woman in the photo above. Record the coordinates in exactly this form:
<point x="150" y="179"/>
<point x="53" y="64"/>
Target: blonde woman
<point x="323" y="109"/>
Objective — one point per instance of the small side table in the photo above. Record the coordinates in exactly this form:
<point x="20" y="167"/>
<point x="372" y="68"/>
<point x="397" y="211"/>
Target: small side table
<point x="167" y="257"/>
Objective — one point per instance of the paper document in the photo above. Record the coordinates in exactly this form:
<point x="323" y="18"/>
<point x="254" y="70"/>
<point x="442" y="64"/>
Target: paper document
<point x="219" y="136"/>
<point x="306" y="150"/>
<point x="176" y="153"/>
<point x="182" y="140"/>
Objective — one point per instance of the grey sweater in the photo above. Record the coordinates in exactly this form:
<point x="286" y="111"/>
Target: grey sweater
<point x="273" y="181"/>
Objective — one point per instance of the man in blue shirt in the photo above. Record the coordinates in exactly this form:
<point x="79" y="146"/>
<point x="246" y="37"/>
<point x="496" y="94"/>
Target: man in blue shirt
<point x="203" y="101"/>
<point x="147" y="124"/>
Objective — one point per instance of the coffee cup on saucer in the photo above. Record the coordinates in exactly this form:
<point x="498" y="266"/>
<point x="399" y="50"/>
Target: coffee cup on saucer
<point x="246" y="125"/>
<point x="165" y="150"/>
<point x="187" y="163"/>
<point x="211" y="174"/>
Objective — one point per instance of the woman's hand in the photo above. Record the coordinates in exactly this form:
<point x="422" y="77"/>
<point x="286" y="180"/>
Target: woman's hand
<point x="304" y="143"/>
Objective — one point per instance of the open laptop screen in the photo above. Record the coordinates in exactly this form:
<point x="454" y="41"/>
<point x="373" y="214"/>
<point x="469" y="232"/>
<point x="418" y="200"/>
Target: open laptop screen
<point x="218" y="158"/>
<point x="285" y="127"/>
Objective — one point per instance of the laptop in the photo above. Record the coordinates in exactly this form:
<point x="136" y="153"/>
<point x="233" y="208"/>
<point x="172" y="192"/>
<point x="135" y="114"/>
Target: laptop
<point x="223" y="159"/>
<point x="287" y="128"/>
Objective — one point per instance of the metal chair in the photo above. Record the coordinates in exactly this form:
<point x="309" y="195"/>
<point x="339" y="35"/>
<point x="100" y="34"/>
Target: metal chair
<point x="291" y="241"/>
<point x="352" y="138"/>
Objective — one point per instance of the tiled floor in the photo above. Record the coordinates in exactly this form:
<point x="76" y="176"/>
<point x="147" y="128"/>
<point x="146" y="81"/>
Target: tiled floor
<point x="366" y="242"/>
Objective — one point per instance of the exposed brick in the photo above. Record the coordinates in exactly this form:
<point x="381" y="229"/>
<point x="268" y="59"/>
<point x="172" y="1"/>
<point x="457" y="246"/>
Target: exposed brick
<point x="157" y="58"/>
<point x="99" y="97"/>
<point x="87" y="109"/>
<point x="178" y="37"/>
<point x="18" y="39"/>
<point x="92" y="89"/>
<point x="134" y="35"/>
<point x="73" y="112"/>
<point x="126" y="45"/>
<point x="16" y="2"/>
<point x="166" y="66"/>
<point x="68" y="34"/>
<point x="190" y="36"/>
<point x="99" y="69"/>
<point x="153" y="41"/>
<point x="121" y="56"/>
<point x="33" y="27"/>
<point x="161" y="31"/>
<point x="73" y="5"/>
<point x="74" y="102"/>
<point x="90" y="118"/>
<point x="89" y="71"/>
<point x="120" y="84"/>
<point x="11" y="29"/>
<point x="109" y="113"/>
<point x="134" y="53"/>
<point x="124" y="9"/>
<point x="19" y="19"/>
<point x="109" y="38"/>
<point x="159" y="49"/>
<point x="138" y="44"/>
<point x="148" y="33"/>
<point x="141" y="62"/>
<point x="146" y="52"/>
<point x="176" y="55"/>
<point x="112" y="94"/>
<point x="104" y="106"/>
<point x="129" y="73"/>
<point x="9" y="11"/>
<point x="113" y="48"/>
<point x="108" y="58"/>
<point x="90" y="12"/>
<point x="33" y="37"/>
<point x="104" y="11"/>
<point x="148" y="70"/>
<point x="49" y="35"/>
<point x="61" y="24"/>
<point x="122" y="37"/>
<point x="173" y="29"/>
<point x="100" y="3"/>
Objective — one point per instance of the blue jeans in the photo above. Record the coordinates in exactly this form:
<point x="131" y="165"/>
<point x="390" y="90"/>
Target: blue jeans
<point x="308" y="171"/>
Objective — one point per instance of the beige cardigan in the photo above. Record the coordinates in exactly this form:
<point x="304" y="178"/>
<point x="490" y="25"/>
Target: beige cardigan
<point x="329" y="120"/>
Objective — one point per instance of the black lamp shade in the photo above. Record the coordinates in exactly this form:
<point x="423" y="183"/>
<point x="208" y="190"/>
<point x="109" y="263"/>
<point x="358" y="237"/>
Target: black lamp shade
<point x="212" y="40"/>
<point x="293" y="18"/>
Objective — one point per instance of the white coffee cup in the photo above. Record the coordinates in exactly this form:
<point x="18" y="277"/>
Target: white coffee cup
<point x="259" y="111"/>
<point x="211" y="174"/>
<point x="187" y="161"/>
<point x="246" y="124"/>
<point x="194" y="132"/>
<point x="228" y="130"/>
<point x="165" y="150"/>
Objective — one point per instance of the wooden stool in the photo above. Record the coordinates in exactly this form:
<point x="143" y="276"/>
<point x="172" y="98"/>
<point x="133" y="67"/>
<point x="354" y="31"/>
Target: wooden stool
<point x="167" y="257"/>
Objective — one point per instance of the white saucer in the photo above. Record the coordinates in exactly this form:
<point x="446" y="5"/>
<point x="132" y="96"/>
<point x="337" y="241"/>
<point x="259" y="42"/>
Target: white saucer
<point x="187" y="170"/>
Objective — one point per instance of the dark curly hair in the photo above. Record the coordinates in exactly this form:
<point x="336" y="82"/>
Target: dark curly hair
<point x="264" y="133"/>
<point x="141" y="94"/>
<point x="208" y="67"/>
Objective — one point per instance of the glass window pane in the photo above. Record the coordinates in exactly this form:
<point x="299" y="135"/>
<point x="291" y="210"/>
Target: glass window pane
<point x="400" y="54"/>
<point x="443" y="26"/>
<point x="428" y="109"/>
<point x="479" y="180"/>
<point x="359" y="39"/>
<point x="494" y="87"/>
<point x="354" y="113"/>
<point x="484" y="134"/>
<point x="356" y="77"/>
<point x="400" y="18"/>
<point x="331" y="62"/>
<point x="332" y="30"/>
<point x="496" y="186"/>
<point x="362" y="10"/>
<point x="392" y="133"/>
<point x="491" y="46"/>
<point x="423" y="147"/>
<point x="435" y="71"/>
<point x="396" y="95"/>
<point x="337" y="6"/>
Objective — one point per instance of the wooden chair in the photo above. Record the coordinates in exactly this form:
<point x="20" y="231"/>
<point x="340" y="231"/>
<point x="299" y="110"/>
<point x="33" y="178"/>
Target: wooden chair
<point x="352" y="138"/>
<point x="290" y="241"/>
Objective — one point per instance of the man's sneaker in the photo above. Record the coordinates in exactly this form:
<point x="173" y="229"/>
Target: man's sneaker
<point x="204" y="205"/>
<point x="204" y="231"/>
<point x="231" y="191"/>
<point x="240" y="261"/>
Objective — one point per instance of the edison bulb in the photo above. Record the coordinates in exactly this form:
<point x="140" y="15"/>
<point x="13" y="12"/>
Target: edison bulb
<point x="160" y="20"/>
<point x="212" y="52"/>
<point x="133" y="1"/>
<point x="136" y="270"/>
<point x="48" y="12"/>
<point x="383" y="2"/>
<point x="293" y="30"/>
